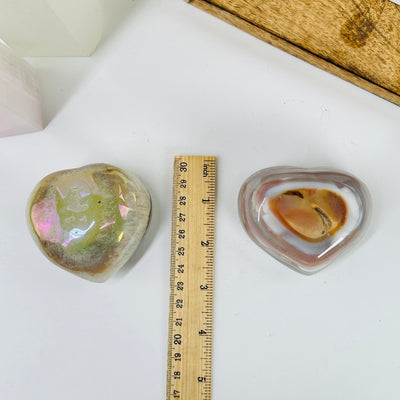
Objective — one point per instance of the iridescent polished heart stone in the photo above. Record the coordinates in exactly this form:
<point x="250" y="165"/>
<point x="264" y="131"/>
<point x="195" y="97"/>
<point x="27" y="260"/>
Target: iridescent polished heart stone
<point x="304" y="217"/>
<point x="89" y="220"/>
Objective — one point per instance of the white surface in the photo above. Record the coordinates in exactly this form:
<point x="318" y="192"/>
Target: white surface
<point x="172" y="79"/>
<point x="51" y="27"/>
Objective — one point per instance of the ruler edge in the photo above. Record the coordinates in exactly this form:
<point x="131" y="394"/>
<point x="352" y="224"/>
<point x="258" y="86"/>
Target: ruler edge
<point x="172" y="262"/>
<point x="171" y="280"/>
<point x="297" y="51"/>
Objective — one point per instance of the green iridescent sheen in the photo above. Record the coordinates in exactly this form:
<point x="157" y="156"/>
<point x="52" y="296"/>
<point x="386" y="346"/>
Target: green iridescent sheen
<point x="89" y="220"/>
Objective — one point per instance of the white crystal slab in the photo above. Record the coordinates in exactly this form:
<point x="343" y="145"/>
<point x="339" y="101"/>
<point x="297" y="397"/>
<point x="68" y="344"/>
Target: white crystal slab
<point x="51" y="27"/>
<point x="20" y="109"/>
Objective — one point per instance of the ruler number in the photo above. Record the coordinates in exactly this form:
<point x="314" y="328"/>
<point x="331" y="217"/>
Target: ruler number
<point x="177" y="339"/>
<point x="201" y="379"/>
<point x="181" y="269"/>
<point x="179" y="285"/>
<point x="177" y="394"/>
<point x="178" y="322"/>
<point x="177" y="375"/>
<point x="182" y="217"/>
<point x="181" y="251"/>
<point x="203" y="287"/>
<point x="181" y="234"/>
<point x="182" y="183"/>
<point x="205" y="244"/>
<point x="182" y="200"/>
<point x="179" y="303"/>
<point x="183" y="166"/>
<point x="205" y="170"/>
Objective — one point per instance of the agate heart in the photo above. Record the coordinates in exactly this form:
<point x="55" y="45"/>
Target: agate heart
<point x="89" y="220"/>
<point x="304" y="217"/>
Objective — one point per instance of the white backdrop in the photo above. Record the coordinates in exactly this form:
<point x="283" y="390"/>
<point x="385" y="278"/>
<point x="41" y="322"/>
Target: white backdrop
<point x="170" y="79"/>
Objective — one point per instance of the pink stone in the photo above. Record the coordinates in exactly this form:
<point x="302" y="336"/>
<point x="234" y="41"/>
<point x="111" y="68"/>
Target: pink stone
<point x="20" y="109"/>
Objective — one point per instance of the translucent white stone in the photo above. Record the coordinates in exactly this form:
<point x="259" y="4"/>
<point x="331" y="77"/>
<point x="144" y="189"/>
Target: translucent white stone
<point x="51" y="27"/>
<point x="20" y="110"/>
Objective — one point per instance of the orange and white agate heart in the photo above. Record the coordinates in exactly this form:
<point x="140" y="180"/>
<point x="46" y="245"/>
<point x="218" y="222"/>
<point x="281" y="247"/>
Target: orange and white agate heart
<point x="304" y="217"/>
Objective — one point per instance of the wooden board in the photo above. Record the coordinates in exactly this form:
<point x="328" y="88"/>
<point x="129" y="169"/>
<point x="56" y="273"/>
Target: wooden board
<point x="357" y="40"/>
<point x="191" y="281"/>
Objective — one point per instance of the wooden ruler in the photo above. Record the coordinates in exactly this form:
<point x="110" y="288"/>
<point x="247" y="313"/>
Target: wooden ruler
<point x="192" y="270"/>
<point x="358" y="40"/>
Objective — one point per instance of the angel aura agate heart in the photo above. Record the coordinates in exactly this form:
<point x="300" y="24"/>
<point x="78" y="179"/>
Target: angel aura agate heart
<point x="304" y="217"/>
<point x="89" y="220"/>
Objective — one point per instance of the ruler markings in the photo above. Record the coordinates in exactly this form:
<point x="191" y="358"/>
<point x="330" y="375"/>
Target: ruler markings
<point x="192" y="246"/>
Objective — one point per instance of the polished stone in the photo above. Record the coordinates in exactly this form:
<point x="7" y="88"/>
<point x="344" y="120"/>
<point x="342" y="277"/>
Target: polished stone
<point x="20" y="107"/>
<point x="312" y="214"/>
<point x="89" y="220"/>
<point x="304" y="217"/>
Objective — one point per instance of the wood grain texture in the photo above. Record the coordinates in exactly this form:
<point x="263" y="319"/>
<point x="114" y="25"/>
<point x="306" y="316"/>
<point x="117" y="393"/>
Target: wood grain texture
<point x="191" y="280"/>
<point x="357" y="40"/>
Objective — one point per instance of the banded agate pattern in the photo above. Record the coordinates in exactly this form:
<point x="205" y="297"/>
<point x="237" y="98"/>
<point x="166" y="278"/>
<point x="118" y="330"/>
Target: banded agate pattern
<point x="304" y="217"/>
